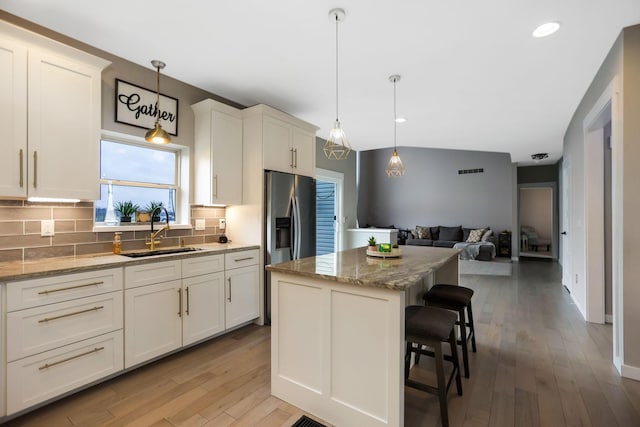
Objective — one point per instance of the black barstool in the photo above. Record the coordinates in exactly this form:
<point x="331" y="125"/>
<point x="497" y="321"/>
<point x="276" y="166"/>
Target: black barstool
<point x="456" y="298"/>
<point x="431" y="326"/>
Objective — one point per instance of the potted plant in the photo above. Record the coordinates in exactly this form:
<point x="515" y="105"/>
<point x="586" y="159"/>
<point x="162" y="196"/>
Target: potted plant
<point x="372" y="244"/>
<point x="152" y="206"/>
<point x="127" y="210"/>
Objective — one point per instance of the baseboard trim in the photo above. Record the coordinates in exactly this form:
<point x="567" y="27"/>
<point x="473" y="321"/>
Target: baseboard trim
<point x="608" y="318"/>
<point x="631" y="372"/>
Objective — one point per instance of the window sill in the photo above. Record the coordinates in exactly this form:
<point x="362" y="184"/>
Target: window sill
<point x="136" y="227"/>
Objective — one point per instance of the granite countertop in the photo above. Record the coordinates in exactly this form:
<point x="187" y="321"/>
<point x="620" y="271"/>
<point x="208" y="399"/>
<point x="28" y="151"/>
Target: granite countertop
<point x="19" y="270"/>
<point x="354" y="267"/>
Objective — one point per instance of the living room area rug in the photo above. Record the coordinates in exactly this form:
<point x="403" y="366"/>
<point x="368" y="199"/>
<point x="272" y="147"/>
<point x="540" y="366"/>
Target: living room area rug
<point x="497" y="267"/>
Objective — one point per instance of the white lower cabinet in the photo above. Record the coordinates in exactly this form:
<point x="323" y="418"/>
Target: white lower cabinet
<point x="36" y="378"/>
<point x="242" y="293"/>
<point x="164" y="316"/>
<point x="66" y="331"/>
<point x="39" y="329"/>
<point x="62" y="332"/>
<point x="242" y="302"/>
<point x="153" y="325"/>
<point x="203" y="307"/>
<point x="3" y="360"/>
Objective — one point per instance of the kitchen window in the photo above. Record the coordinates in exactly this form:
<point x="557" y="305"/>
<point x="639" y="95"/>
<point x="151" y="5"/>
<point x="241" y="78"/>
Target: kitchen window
<point x="142" y="174"/>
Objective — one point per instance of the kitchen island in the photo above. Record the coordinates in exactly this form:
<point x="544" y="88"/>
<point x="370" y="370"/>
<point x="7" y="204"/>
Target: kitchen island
<point x="337" y="339"/>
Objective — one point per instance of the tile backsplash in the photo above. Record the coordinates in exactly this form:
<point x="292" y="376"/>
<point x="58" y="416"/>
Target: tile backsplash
<point x="20" y="238"/>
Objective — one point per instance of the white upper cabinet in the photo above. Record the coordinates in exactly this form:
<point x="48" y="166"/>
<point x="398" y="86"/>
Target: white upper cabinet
<point x="304" y="152"/>
<point x="13" y="118"/>
<point x="278" y="152"/>
<point x="288" y="144"/>
<point x="218" y="154"/>
<point x="50" y="105"/>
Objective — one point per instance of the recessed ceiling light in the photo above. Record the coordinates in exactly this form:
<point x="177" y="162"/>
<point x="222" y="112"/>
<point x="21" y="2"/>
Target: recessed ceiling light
<point x="546" y="29"/>
<point x="401" y="120"/>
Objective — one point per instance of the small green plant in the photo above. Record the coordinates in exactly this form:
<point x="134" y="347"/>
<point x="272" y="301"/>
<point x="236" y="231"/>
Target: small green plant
<point x="153" y="205"/>
<point x="372" y="241"/>
<point x="127" y="208"/>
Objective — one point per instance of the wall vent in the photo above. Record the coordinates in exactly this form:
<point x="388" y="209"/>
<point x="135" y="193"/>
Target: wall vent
<point x="466" y="171"/>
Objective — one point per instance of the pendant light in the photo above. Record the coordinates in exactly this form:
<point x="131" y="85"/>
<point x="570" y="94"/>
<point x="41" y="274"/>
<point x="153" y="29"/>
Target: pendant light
<point x="395" y="168"/>
<point x="337" y="147"/>
<point x="157" y="135"/>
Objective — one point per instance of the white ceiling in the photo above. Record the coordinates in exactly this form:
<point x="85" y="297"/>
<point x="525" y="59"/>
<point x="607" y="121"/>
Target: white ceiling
<point x="473" y="77"/>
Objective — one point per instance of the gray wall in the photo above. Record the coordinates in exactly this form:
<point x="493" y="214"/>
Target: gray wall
<point x="432" y="193"/>
<point x="348" y="168"/>
<point x="623" y="61"/>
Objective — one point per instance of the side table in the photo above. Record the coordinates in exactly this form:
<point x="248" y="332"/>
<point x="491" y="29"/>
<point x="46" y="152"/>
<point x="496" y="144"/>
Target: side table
<point x="504" y="244"/>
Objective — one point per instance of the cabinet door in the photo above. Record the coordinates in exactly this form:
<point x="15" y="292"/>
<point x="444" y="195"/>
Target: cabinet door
<point x="226" y="158"/>
<point x="13" y="119"/>
<point x="304" y="156"/>
<point x="242" y="303"/>
<point x="153" y="322"/>
<point x="63" y="127"/>
<point x="203" y="307"/>
<point x="278" y="153"/>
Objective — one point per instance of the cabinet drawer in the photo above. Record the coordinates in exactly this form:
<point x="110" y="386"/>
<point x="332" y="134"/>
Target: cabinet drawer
<point x="197" y="266"/>
<point x="241" y="259"/>
<point x="153" y="272"/>
<point x="37" y="378"/>
<point x="44" y="328"/>
<point x="47" y="290"/>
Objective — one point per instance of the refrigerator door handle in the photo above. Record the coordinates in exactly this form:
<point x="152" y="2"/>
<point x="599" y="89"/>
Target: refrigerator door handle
<point x="293" y="235"/>
<point x="298" y="227"/>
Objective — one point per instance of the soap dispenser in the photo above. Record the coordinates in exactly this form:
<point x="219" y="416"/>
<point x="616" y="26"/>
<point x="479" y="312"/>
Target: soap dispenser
<point x="117" y="243"/>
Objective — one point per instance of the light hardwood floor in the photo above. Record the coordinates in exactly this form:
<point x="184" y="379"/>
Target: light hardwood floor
<point x="538" y="364"/>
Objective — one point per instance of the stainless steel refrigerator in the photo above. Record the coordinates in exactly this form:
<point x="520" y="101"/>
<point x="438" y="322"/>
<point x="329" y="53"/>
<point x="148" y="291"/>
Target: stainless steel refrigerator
<point x="290" y="231"/>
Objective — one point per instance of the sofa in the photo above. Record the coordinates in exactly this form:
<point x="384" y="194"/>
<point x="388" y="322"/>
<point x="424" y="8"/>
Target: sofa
<point x="475" y="243"/>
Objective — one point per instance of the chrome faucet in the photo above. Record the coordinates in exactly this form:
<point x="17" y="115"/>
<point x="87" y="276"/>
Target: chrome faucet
<point x="152" y="241"/>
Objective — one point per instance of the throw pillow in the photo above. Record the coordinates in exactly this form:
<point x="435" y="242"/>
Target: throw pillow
<point x="487" y="234"/>
<point x="475" y="235"/>
<point x="452" y="234"/>
<point x="422" y="232"/>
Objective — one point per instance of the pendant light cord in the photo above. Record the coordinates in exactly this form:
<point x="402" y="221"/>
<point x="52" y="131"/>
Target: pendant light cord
<point x="395" y="116"/>
<point x="337" y="20"/>
<point x="158" y="95"/>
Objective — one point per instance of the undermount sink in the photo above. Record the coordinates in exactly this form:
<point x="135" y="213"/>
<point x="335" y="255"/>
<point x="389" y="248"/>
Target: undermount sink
<point x="158" y="252"/>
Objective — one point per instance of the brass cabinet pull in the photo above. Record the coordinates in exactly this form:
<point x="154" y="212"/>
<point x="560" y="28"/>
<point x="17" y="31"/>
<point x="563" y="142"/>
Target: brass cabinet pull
<point x="291" y="150"/>
<point x="46" y="291"/>
<point x="187" y="291"/>
<point x="50" y="365"/>
<point x="47" y="319"/>
<point x="21" y="168"/>
<point x="35" y="169"/>
<point x="295" y="164"/>
<point x="179" y="302"/>
<point x="215" y="177"/>
<point x="243" y="259"/>
<point x="229" y="299"/>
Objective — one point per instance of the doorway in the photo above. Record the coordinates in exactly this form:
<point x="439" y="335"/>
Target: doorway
<point x="537" y="219"/>
<point x="329" y="201"/>
<point x="603" y="131"/>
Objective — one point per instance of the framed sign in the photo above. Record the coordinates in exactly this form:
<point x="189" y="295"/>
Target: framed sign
<point x="136" y="106"/>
